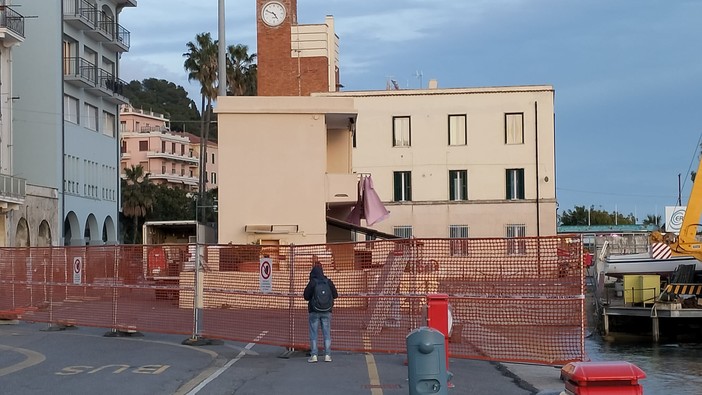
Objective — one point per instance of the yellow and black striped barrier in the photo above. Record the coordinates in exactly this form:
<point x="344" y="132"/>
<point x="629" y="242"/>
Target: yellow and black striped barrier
<point x="684" y="289"/>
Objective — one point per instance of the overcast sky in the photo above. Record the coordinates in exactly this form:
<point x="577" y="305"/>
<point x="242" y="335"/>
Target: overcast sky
<point x="627" y="73"/>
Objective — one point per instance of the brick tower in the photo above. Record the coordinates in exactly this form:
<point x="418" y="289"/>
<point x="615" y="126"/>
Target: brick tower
<point x="294" y="60"/>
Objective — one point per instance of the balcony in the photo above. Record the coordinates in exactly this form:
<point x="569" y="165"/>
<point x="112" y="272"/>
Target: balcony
<point x="172" y="156"/>
<point x="174" y="178"/>
<point x="103" y="30"/>
<point x="341" y="188"/>
<point x="79" y="72"/>
<point x="80" y="14"/>
<point x="111" y="87"/>
<point x="119" y="41"/>
<point x="11" y="26"/>
<point x="12" y="191"/>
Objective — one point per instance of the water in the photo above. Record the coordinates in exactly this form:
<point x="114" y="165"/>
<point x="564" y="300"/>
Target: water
<point x="674" y="368"/>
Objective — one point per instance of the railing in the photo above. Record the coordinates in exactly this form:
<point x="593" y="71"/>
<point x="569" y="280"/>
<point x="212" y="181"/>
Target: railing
<point x="81" y="8"/>
<point x="521" y="309"/>
<point x="12" y="20"/>
<point x="123" y="36"/>
<point x="13" y="187"/>
<point x="106" y="25"/>
<point x="80" y="67"/>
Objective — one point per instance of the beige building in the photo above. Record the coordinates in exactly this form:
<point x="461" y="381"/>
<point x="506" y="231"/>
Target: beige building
<point x="169" y="157"/>
<point x="470" y="162"/>
<point x="473" y="162"/>
<point x="288" y="162"/>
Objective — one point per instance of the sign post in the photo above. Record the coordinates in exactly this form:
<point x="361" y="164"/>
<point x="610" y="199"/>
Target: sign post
<point x="265" y="275"/>
<point x="77" y="269"/>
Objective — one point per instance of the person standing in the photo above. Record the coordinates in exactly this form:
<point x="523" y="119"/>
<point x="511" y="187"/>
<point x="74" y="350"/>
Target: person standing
<point x="320" y="293"/>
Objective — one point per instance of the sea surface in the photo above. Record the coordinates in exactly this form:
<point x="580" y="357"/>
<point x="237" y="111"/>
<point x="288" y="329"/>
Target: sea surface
<point x="671" y="368"/>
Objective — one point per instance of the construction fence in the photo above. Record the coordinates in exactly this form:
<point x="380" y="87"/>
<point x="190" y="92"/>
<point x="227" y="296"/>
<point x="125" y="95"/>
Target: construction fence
<point x="516" y="299"/>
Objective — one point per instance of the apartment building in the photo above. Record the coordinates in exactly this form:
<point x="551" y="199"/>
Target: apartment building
<point x="12" y="188"/>
<point x="460" y="162"/>
<point x="147" y="141"/>
<point x="68" y="90"/>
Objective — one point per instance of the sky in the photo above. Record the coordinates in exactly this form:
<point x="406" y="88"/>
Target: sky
<point x="627" y="73"/>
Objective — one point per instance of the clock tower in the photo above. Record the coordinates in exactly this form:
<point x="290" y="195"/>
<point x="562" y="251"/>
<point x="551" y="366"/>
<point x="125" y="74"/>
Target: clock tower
<point x="292" y="60"/>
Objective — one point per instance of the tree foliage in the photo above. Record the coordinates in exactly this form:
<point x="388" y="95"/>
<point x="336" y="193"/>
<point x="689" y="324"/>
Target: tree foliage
<point x="582" y="216"/>
<point x="137" y="197"/>
<point x="166" y="98"/>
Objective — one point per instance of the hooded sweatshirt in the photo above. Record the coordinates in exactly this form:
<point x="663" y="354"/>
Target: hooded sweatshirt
<point x="317" y="273"/>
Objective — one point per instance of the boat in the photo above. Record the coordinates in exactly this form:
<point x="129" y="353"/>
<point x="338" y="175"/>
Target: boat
<point x="652" y="262"/>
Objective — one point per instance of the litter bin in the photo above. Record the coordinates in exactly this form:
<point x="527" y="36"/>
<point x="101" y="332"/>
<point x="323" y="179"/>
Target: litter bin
<point x="610" y="377"/>
<point x="426" y="362"/>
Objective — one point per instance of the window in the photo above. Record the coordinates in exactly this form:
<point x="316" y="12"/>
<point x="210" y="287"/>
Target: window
<point x="213" y="161"/>
<point x="458" y="185"/>
<point x="124" y="147"/>
<point x="515" y="184"/>
<point x="144" y="145"/>
<point x="108" y="127"/>
<point x="70" y="109"/>
<point x="458" y="133"/>
<point x="213" y="179"/>
<point x="401" y="132"/>
<point x="163" y="147"/>
<point x="90" y="116"/>
<point x="514" y="128"/>
<point x="122" y="126"/>
<point x="402" y="231"/>
<point x="173" y="148"/>
<point x="517" y="232"/>
<point x="458" y="247"/>
<point x="402" y="186"/>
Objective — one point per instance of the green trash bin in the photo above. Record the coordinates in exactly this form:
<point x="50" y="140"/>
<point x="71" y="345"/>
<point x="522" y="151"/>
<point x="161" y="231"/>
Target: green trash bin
<point x="426" y="362"/>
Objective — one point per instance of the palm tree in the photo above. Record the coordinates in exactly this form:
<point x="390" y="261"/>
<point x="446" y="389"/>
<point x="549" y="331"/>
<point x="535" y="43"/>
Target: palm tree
<point x="652" y="220"/>
<point x="241" y="71"/>
<point x="137" y="196"/>
<point x="201" y="65"/>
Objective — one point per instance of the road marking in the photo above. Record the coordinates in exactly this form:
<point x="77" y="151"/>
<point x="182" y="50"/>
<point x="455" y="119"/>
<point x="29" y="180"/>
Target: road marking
<point x="32" y="359"/>
<point x="221" y="370"/>
<point x="373" y="377"/>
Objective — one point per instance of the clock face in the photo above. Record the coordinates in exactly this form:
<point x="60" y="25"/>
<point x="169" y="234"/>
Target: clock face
<point x="273" y="13"/>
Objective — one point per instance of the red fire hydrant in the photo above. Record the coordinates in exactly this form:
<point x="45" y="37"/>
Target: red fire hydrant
<point x="439" y="318"/>
<point x="602" y="378"/>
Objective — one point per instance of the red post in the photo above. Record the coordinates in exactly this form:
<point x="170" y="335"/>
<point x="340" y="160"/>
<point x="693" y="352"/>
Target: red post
<point x="438" y="317"/>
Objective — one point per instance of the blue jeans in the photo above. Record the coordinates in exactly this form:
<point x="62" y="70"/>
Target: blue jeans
<point x="315" y="319"/>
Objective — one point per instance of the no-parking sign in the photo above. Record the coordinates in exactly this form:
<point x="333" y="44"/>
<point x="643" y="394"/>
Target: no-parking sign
<point x="265" y="275"/>
<point x="77" y="269"/>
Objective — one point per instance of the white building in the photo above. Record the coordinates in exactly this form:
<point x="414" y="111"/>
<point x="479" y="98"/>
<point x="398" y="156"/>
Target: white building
<point x="68" y="94"/>
<point x="461" y="162"/>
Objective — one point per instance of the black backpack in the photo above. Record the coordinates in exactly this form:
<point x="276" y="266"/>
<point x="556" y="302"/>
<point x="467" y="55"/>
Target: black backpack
<point x="322" y="298"/>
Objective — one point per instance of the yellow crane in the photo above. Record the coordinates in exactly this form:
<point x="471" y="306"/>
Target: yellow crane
<point x="686" y="242"/>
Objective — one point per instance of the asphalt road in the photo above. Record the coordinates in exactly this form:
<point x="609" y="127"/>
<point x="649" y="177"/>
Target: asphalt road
<point x="35" y="360"/>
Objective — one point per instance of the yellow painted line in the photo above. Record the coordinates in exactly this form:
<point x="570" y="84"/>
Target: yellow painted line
<point x="33" y="358"/>
<point x="373" y="377"/>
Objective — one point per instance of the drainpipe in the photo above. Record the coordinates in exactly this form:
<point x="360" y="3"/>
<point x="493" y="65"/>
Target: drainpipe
<point x="538" y="179"/>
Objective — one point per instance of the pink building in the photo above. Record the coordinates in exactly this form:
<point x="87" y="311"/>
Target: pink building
<point x="169" y="157"/>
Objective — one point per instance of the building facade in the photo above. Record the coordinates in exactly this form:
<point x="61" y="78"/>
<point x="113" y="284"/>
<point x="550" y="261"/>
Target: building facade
<point x="468" y="162"/>
<point x="13" y="191"/>
<point x="168" y="157"/>
<point x="66" y="133"/>
<point x="288" y="162"/>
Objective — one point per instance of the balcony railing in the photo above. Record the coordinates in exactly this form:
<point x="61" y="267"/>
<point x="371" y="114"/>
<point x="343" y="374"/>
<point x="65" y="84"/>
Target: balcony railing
<point x="80" y="13"/>
<point x="81" y="70"/>
<point x="12" y="188"/>
<point x="12" y="20"/>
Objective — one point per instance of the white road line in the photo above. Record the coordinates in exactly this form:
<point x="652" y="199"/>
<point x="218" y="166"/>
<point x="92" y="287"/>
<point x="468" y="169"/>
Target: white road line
<point x="227" y="366"/>
<point x="32" y="359"/>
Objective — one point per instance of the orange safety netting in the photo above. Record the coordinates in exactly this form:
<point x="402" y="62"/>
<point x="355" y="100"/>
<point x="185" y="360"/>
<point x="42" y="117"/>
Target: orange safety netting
<point x="517" y="299"/>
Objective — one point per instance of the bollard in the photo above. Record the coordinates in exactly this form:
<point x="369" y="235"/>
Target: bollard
<point x="426" y="363"/>
<point x="440" y="318"/>
<point x="602" y="378"/>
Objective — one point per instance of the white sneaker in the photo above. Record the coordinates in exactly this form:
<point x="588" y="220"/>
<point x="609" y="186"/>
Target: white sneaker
<point x="312" y="359"/>
<point x="327" y="358"/>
